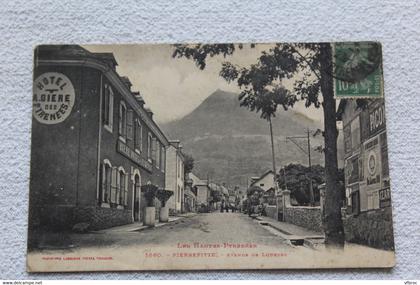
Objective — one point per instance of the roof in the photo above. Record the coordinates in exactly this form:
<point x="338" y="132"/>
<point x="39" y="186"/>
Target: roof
<point x="73" y="52"/>
<point x="262" y="176"/>
<point x="105" y="62"/>
<point x="197" y="181"/>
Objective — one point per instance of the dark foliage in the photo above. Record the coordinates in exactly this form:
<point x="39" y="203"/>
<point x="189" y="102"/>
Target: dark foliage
<point x="149" y="194"/>
<point x="163" y="196"/>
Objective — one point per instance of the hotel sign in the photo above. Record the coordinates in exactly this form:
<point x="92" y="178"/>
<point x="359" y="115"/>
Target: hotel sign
<point x="53" y="98"/>
<point x="123" y="149"/>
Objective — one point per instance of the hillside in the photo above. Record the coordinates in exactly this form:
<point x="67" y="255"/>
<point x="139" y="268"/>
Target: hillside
<point x="231" y="144"/>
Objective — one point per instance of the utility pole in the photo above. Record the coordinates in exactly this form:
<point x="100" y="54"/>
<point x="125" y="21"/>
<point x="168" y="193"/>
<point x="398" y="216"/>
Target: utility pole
<point x="308" y="152"/>
<point x="273" y="155"/>
<point x="311" y="190"/>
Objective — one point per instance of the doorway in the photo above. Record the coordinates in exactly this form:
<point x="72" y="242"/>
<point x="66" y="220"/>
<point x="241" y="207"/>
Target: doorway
<point x="136" y="208"/>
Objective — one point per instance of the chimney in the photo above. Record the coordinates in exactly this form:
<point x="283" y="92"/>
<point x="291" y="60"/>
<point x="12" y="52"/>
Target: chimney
<point x="127" y="82"/>
<point x="138" y="98"/>
<point x="107" y="57"/>
<point x="149" y="112"/>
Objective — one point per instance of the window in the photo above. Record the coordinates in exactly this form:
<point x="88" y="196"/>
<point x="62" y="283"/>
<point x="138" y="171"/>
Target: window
<point x="129" y="125"/>
<point x="138" y="137"/>
<point x="163" y="159"/>
<point x="158" y="154"/>
<point x="149" y="146"/>
<point x="121" y="197"/>
<point x="178" y="167"/>
<point x="106" y="182"/>
<point x="355" y="133"/>
<point x="108" y="107"/>
<point x="114" y="187"/>
<point x="355" y="203"/>
<point x="122" y="120"/>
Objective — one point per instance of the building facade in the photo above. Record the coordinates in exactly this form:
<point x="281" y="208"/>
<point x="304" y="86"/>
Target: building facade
<point x="203" y="190"/>
<point x="367" y="218"/>
<point x="94" y="144"/>
<point x="265" y="181"/>
<point x="190" y="196"/>
<point x="175" y="176"/>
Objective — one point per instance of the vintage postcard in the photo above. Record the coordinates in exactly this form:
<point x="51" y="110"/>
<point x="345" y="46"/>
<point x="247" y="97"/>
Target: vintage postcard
<point x="209" y="156"/>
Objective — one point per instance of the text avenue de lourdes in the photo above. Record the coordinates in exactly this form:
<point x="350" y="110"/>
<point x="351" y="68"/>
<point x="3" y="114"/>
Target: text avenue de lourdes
<point x="216" y="245"/>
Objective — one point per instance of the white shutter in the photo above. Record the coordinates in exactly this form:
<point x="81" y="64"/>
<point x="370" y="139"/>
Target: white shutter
<point x="111" y="107"/>
<point x="120" y="119"/>
<point x="126" y="190"/>
<point x="129" y="124"/>
<point x="114" y="184"/>
<point x="154" y="149"/>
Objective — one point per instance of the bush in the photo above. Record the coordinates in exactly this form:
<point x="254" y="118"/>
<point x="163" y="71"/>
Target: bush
<point x="163" y="196"/>
<point x="149" y="191"/>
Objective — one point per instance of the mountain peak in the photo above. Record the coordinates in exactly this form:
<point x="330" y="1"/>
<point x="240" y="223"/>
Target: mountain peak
<point x="233" y="143"/>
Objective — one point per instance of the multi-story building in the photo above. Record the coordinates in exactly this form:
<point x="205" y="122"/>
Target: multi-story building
<point x="175" y="176"/>
<point x="94" y="144"/>
<point x="368" y="217"/>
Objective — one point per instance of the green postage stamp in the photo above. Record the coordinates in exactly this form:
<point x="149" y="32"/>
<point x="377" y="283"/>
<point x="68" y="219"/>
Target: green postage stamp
<point x="358" y="70"/>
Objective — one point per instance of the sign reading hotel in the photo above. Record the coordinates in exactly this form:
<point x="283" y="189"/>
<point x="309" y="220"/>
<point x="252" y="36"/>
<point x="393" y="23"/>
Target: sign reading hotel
<point x="53" y="98"/>
<point x="352" y="57"/>
<point x="134" y="156"/>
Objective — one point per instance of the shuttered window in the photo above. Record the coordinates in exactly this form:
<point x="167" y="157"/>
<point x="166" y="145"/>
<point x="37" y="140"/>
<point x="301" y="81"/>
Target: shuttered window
<point x="122" y="126"/>
<point x="163" y="158"/>
<point x="158" y="151"/>
<point x="138" y="136"/>
<point x="114" y="186"/>
<point x="154" y="148"/>
<point x="121" y="187"/>
<point x="125" y="201"/>
<point x="108" y="107"/>
<point x="149" y="146"/>
<point x="106" y="183"/>
<point x="129" y="124"/>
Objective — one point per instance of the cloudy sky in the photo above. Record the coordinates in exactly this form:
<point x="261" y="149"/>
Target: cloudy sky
<point x="172" y="88"/>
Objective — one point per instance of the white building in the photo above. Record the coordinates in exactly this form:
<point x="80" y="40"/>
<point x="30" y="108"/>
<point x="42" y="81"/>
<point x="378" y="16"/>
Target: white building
<point x="203" y="190"/>
<point x="265" y="181"/>
<point x="174" y="176"/>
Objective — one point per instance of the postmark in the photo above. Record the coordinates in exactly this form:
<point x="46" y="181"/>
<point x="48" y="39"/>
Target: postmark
<point x="357" y="70"/>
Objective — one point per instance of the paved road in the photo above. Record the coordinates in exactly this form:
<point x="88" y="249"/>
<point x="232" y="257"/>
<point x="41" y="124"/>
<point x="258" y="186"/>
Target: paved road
<point x="159" y="248"/>
<point x="213" y="227"/>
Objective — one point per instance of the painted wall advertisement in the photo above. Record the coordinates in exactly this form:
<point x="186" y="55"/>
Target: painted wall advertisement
<point x="53" y="98"/>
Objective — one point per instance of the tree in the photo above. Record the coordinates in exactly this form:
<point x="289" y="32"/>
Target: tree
<point x="312" y="69"/>
<point x="188" y="163"/>
<point x="163" y="196"/>
<point x="294" y="177"/>
<point x="150" y="192"/>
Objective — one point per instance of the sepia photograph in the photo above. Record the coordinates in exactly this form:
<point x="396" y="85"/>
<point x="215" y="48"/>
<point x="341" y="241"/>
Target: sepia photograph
<point x="209" y="157"/>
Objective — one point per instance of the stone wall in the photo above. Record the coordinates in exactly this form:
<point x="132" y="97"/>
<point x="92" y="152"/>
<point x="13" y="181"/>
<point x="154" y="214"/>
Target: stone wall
<point x="307" y="217"/>
<point x="101" y="218"/>
<point x="271" y="212"/>
<point x="372" y="228"/>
